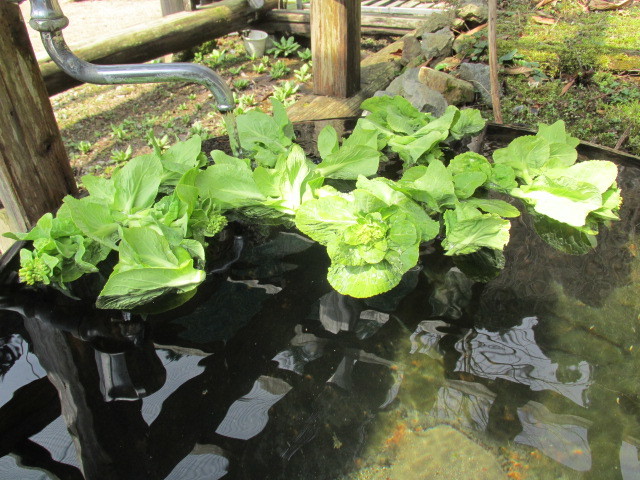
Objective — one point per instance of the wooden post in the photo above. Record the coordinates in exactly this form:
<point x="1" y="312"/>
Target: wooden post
<point x="335" y="45"/>
<point x="34" y="168"/>
<point x="167" y="7"/>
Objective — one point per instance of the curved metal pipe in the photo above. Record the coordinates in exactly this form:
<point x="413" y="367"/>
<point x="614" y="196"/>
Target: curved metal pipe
<point x="48" y="19"/>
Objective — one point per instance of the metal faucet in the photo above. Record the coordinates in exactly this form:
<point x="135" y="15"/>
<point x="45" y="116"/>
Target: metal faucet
<point x="48" y="19"/>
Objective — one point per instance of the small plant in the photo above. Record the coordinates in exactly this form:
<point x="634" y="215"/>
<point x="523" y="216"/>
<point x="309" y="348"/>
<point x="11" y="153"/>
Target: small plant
<point x="248" y="100"/>
<point x="121" y="156"/>
<point x="182" y="106"/>
<point x="241" y="84"/>
<point x="119" y="131"/>
<point x="151" y="120"/>
<point x="284" y="92"/>
<point x="83" y="146"/>
<point x="479" y="49"/>
<point x="216" y="58"/>
<point x="158" y="144"/>
<point x="235" y="70"/>
<point x="303" y="74"/>
<point x="305" y="55"/>
<point x="264" y="60"/>
<point x="279" y="70"/>
<point x="192" y="96"/>
<point x="260" y="68"/>
<point x="186" y="119"/>
<point x="284" y="47"/>
<point x="198" y="129"/>
<point x="515" y="59"/>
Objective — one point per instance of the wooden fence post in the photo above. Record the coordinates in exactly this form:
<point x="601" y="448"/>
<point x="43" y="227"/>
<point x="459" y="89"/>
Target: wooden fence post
<point x="34" y="168"/>
<point x="335" y="45"/>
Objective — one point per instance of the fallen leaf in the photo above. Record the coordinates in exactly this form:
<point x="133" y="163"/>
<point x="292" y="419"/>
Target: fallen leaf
<point x="568" y="86"/>
<point x="542" y="3"/>
<point x="602" y="5"/>
<point x="397" y="53"/>
<point x="545" y="20"/>
<point x="518" y="70"/>
<point x="477" y="29"/>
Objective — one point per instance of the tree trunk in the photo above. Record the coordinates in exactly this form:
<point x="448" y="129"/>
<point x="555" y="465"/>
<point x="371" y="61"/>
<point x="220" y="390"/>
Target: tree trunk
<point x="335" y="45"/>
<point x="34" y="169"/>
<point x="160" y="37"/>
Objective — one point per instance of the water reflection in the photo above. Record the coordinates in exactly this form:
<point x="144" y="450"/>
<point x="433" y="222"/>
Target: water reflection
<point x="270" y="374"/>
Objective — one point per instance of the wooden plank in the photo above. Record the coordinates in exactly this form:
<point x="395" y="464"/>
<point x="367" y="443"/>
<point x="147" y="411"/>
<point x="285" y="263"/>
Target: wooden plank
<point x="157" y="38"/>
<point x="377" y="72"/>
<point x="277" y="20"/>
<point x="335" y="46"/>
<point x="303" y="29"/>
<point x="34" y="169"/>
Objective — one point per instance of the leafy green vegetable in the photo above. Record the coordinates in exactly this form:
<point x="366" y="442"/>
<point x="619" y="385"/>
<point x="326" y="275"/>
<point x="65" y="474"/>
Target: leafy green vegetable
<point x="468" y="230"/>
<point x="372" y="236"/>
<point x="158" y="210"/>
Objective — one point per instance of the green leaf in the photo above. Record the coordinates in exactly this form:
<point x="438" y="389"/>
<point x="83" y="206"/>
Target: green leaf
<point x="467" y="183"/>
<point x="229" y="186"/>
<point x="350" y="162"/>
<point x="382" y="107"/>
<point x="493" y="205"/>
<point x="469" y="122"/>
<point x="281" y="118"/>
<point x="324" y="218"/>
<point x="468" y="230"/>
<point x="527" y="156"/>
<point x="219" y="158"/>
<point x="328" y="141"/>
<point x="144" y="247"/>
<point x="258" y="130"/>
<point x="502" y="178"/>
<point x="100" y="188"/>
<point x="563" y="237"/>
<point x="561" y="198"/>
<point x="413" y="149"/>
<point x="136" y="184"/>
<point x="94" y="219"/>
<point x="556" y="133"/>
<point x="469" y="162"/>
<point x="432" y="185"/>
<point x="599" y="173"/>
<point x="129" y="289"/>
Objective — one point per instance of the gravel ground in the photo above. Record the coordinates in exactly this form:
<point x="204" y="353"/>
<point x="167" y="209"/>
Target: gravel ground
<point x="90" y="20"/>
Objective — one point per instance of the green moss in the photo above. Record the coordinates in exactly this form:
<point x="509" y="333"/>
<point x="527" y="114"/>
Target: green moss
<point x="579" y="41"/>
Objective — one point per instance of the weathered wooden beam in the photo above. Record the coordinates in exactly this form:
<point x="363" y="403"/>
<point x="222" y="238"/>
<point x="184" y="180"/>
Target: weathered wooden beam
<point x="156" y="38"/>
<point x="298" y="23"/>
<point x="377" y="69"/>
<point x="34" y="168"/>
<point x="335" y="46"/>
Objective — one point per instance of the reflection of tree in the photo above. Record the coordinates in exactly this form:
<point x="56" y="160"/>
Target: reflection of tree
<point x="513" y="399"/>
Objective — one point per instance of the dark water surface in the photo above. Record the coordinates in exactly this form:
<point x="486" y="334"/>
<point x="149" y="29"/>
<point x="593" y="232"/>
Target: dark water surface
<point x="269" y="374"/>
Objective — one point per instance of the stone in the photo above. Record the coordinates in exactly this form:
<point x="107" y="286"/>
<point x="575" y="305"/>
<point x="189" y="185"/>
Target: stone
<point x="478" y="75"/>
<point x="420" y="96"/>
<point x="472" y="12"/>
<point x="454" y="90"/>
<point x="443" y="453"/>
<point x="437" y="45"/>
<point x="436" y="21"/>
<point x="411" y="49"/>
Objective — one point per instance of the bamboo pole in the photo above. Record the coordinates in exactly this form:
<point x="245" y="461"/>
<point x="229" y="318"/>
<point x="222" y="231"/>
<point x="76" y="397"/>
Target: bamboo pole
<point x="493" y="61"/>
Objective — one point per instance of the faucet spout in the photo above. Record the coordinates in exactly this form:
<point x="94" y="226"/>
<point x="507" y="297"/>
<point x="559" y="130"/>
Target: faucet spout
<point x="48" y="19"/>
